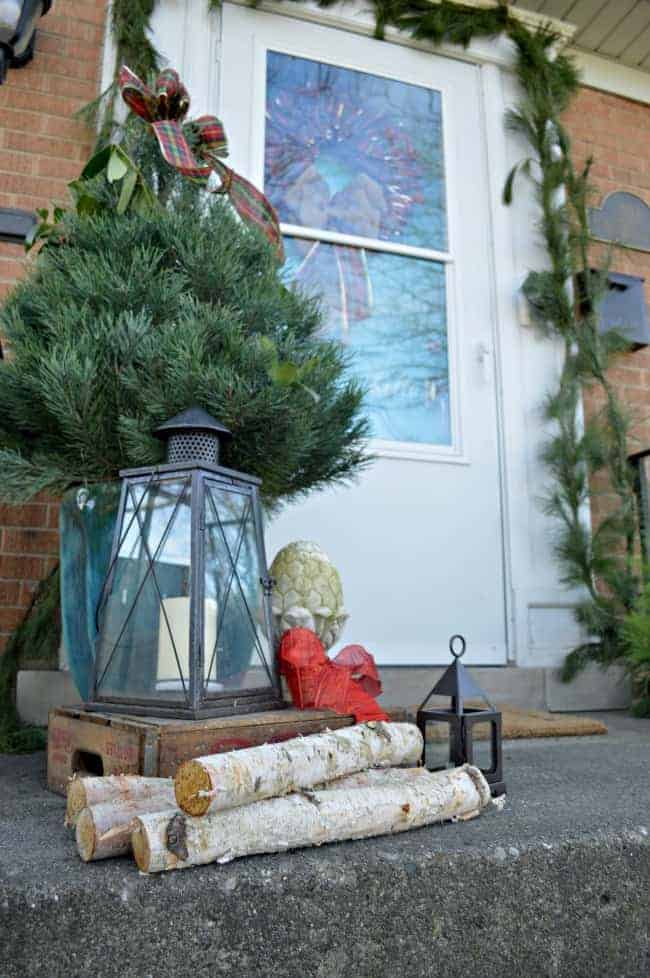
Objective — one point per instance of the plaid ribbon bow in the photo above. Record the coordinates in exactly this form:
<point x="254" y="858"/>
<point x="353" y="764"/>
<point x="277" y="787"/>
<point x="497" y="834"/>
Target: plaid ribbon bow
<point x="164" y="109"/>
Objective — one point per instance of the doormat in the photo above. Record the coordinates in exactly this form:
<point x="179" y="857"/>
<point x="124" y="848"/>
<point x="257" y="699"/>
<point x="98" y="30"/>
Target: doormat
<point x="518" y="723"/>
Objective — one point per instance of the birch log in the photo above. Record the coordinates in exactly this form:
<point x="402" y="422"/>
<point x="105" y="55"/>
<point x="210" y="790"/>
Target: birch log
<point x="390" y="777"/>
<point x="86" y="792"/>
<point x="104" y="831"/>
<point x="240" y="777"/>
<point x="169" y="840"/>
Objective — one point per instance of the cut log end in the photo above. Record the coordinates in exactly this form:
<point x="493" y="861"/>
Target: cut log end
<point x="193" y="788"/>
<point x="141" y="850"/>
<point x="86" y="835"/>
<point x="76" y="801"/>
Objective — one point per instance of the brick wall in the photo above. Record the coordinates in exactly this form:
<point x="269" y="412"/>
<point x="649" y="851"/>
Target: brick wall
<point x="616" y="132"/>
<point x="42" y="147"/>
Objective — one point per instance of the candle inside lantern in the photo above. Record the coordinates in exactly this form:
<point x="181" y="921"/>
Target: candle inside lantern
<point x="177" y="613"/>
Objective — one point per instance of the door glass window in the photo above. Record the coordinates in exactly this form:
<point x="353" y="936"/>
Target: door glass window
<point x="354" y="166"/>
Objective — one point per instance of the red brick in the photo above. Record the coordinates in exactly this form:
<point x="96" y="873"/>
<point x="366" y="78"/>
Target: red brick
<point x="16" y="98"/>
<point x="15" y="162"/>
<point x="67" y="129"/>
<point x="10" y="592"/>
<point x="64" y="169"/>
<point x="80" y="89"/>
<point x="86" y="12"/>
<point x="30" y="514"/>
<point x="8" y="249"/>
<point x="21" y="568"/>
<point x="21" y="120"/>
<point x="11" y="617"/>
<point x="27" y="591"/>
<point x="41" y="542"/>
<point x="39" y="145"/>
<point x="70" y="67"/>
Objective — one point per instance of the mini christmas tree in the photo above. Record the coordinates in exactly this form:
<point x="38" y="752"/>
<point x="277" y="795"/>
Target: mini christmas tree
<point x="153" y="296"/>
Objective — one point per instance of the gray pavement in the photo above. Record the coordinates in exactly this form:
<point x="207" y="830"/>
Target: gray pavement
<point x="558" y="884"/>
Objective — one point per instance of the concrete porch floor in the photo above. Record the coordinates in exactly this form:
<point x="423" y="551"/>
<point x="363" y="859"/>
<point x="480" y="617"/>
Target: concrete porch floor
<point x="558" y="884"/>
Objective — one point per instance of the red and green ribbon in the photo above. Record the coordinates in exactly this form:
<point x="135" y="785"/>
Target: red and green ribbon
<point x="164" y="107"/>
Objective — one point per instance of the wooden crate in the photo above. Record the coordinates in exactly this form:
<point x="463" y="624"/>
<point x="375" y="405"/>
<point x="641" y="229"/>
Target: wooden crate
<point x="104" y="743"/>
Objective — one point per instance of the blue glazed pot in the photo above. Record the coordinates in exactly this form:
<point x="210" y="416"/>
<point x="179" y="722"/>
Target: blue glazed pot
<point x="87" y="521"/>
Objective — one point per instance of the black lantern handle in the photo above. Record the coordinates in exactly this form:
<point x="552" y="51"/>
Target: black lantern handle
<point x="452" y="643"/>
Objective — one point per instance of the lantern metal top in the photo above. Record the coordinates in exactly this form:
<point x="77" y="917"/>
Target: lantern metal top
<point x="456" y="681"/>
<point x="192" y="436"/>
<point x="194" y="419"/>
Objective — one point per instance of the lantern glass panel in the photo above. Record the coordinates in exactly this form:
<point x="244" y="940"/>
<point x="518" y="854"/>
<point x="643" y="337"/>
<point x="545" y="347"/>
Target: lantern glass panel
<point x="144" y="649"/>
<point x="237" y="646"/>
<point x="436" y="749"/>
<point x="482" y="745"/>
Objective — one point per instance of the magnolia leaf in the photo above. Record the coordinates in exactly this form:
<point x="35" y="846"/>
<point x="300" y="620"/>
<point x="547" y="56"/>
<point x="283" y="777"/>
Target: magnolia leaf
<point x="269" y="347"/>
<point x="140" y="201"/>
<point x="143" y="200"/>
<point x="96" y="163"/>
<point x="507" y="187"/>
<point x="524" y="166"/>
<point x="127" y="191"/>
<point x="117" y="166"/>
<point x="284" y="373"/>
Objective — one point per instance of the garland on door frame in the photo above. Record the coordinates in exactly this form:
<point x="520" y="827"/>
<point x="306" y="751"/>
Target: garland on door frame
<point x="603" y="561"/>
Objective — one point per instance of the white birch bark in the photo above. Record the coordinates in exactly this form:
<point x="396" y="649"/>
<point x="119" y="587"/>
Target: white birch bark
<point x="104" y="830"/>
<point x="377" y="777"/>
<point x="240" y="777"/>
<point x="86" y="792"/>
<point x="169" y="840"/>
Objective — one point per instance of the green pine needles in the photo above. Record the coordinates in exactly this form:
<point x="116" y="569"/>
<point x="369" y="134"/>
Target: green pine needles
<point x="136" y="317"/>
<point x="636" y="636"/>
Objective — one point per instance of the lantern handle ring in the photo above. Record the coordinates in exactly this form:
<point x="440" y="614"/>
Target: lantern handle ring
<point x="452" y="643"/>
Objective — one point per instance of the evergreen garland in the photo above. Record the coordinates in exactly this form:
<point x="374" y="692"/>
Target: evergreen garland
<point x="636" y="635"/>
<point x="599" y="561"/>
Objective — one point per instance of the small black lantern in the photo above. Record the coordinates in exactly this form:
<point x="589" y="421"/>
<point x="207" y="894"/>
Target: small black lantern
<point x="18" y="19"/>
<point x="184" y="622"/>
<point x="458" y="725"/>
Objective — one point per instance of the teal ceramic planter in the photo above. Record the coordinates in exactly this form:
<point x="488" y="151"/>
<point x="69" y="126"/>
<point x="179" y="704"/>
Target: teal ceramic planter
<point x="87" y="522"/>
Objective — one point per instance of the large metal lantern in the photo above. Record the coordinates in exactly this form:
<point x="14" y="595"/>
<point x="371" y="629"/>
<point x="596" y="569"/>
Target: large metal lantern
<point x="460" y="734"/>
<point x="184" y="622"/>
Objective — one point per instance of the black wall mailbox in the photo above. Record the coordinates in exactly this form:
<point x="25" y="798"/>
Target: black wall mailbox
<point x="624" y="308"/>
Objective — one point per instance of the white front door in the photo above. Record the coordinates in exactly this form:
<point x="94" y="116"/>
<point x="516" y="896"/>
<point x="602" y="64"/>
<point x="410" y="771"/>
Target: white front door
<point x="373" y="155"/>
